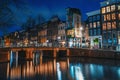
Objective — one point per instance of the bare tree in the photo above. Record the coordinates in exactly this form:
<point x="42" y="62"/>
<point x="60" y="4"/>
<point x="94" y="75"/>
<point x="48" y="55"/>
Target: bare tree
<point x="8" y="16"/>
<point x="30" y="22"/>
<point x="40" y="19"/>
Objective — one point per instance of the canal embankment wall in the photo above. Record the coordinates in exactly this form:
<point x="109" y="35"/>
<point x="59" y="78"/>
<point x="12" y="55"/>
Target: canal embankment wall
<point x="94" y="53"/>
<point x="69" y="52"/>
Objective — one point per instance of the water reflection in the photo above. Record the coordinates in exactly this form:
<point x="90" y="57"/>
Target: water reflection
<point x="59" y="69"/>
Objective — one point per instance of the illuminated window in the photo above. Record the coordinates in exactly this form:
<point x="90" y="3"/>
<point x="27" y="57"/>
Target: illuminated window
<point x="104" y="17"/>
<point x="108" y="25"/>
<point x="104" y="26"/>
<point x="103" y="10"/>
<point x="108" y="16"/>
<point x="98" y="24"/>
<point x="94" y="24"/>
<point x="118" y="7"/>
<point x="90" y="25"/>
<point x="108" y="9"/>
<point x="113" y="16"/>
<point x="113" y="8"/>
<point x="119" y="16"/>
<point x="114" y="25"/>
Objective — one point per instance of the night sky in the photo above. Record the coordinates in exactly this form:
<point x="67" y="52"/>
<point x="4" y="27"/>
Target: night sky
<point x="53" y="7"/>
<point x="47" y="8"/>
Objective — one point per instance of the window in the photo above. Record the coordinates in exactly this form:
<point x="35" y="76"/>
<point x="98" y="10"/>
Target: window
<point x="113" y="16"/>
<point x="98" y="24"/>
<point x="103" y="10"/>
<point x="114" y="38"/>
<point x="104" y="38"/>
<point x="104" y="17"/>
<point x="90" y="25"/>
<point x="113" y="8"/>
<point x="90" y="19"/>
<point x="99" y="32"/>
<point x="114" y="25"/>
<point x="104" y="26"/>
<point x="109" y="38"/>
<point x="118" y="7"/>
<point x="108" y="16"/>
<point x="94" y="31"/>
<point x="119" y="16"/>
<point x="108" y="9"/>
<point x="90" y="32"/>
<point x="108" y="25"/>
<point x="94" y="18"/>
<point x="94" y="24"/>
<point x="98" y="17"/>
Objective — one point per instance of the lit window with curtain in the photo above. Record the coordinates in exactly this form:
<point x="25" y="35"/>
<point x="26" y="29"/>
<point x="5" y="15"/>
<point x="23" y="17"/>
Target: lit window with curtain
<point x="98" y="24"/>
<point x="94" y="24"/>
<point x="103" y="10"/>
<point x="119" y="16"/>
<point x="118" y="7"/>
<point x="90" y="25"/>
<point x="112" y="7"/>
<point x="113" y="16"/>
<point x="104" y="26"/>
<point x="108" y="25"/>
<point x="114" y="25"/>
<point x="108" y="8"/>
<point x="108" y="17"/>
<point x="104" y="17"/>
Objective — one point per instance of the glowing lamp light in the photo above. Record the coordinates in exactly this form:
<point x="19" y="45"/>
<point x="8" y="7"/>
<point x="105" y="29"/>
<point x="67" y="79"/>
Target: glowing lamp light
<point x="81" y="28"/>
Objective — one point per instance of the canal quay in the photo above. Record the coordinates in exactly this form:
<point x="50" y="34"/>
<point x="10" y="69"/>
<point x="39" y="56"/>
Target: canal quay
<point x="28" y="53"/>
<point x="58" y="64"/>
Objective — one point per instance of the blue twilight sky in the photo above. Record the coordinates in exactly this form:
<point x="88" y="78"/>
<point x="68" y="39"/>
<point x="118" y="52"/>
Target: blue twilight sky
<point x="52" y="7"/>
<point x="47" y="8"/>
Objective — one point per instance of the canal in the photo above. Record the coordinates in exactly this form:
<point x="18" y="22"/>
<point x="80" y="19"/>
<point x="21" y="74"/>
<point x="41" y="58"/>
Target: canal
<point x="75" y="68"/>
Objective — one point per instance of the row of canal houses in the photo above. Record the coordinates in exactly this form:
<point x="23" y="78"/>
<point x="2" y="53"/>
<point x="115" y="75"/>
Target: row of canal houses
<point x="53" y="33"/>
<point x="100" y="30"/>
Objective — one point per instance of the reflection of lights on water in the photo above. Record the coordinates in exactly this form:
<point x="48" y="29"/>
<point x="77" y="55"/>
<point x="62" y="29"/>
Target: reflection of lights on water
<point x="11" y="58"/>
<point x="78" y="73"/>
<point x="59" y="72"/>
<point x="72" y="71"/>
<point x="96" y="69"/>
<point x="119" y="72"/>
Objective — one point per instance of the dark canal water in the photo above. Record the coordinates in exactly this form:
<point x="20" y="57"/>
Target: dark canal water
<point x="61" y="69"/>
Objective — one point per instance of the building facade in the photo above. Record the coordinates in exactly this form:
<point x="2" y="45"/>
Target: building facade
<point x="94" y="26"/>
<point x="52" y="32"/>
<point x="110" y="14"/>
<point x="62" y="34"/>
<point x="73" y="30"/>
<point x="42" y="35"/>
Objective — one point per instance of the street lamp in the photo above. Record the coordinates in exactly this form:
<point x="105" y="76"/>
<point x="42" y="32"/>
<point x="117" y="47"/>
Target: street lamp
<point x="81" y="28"/>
